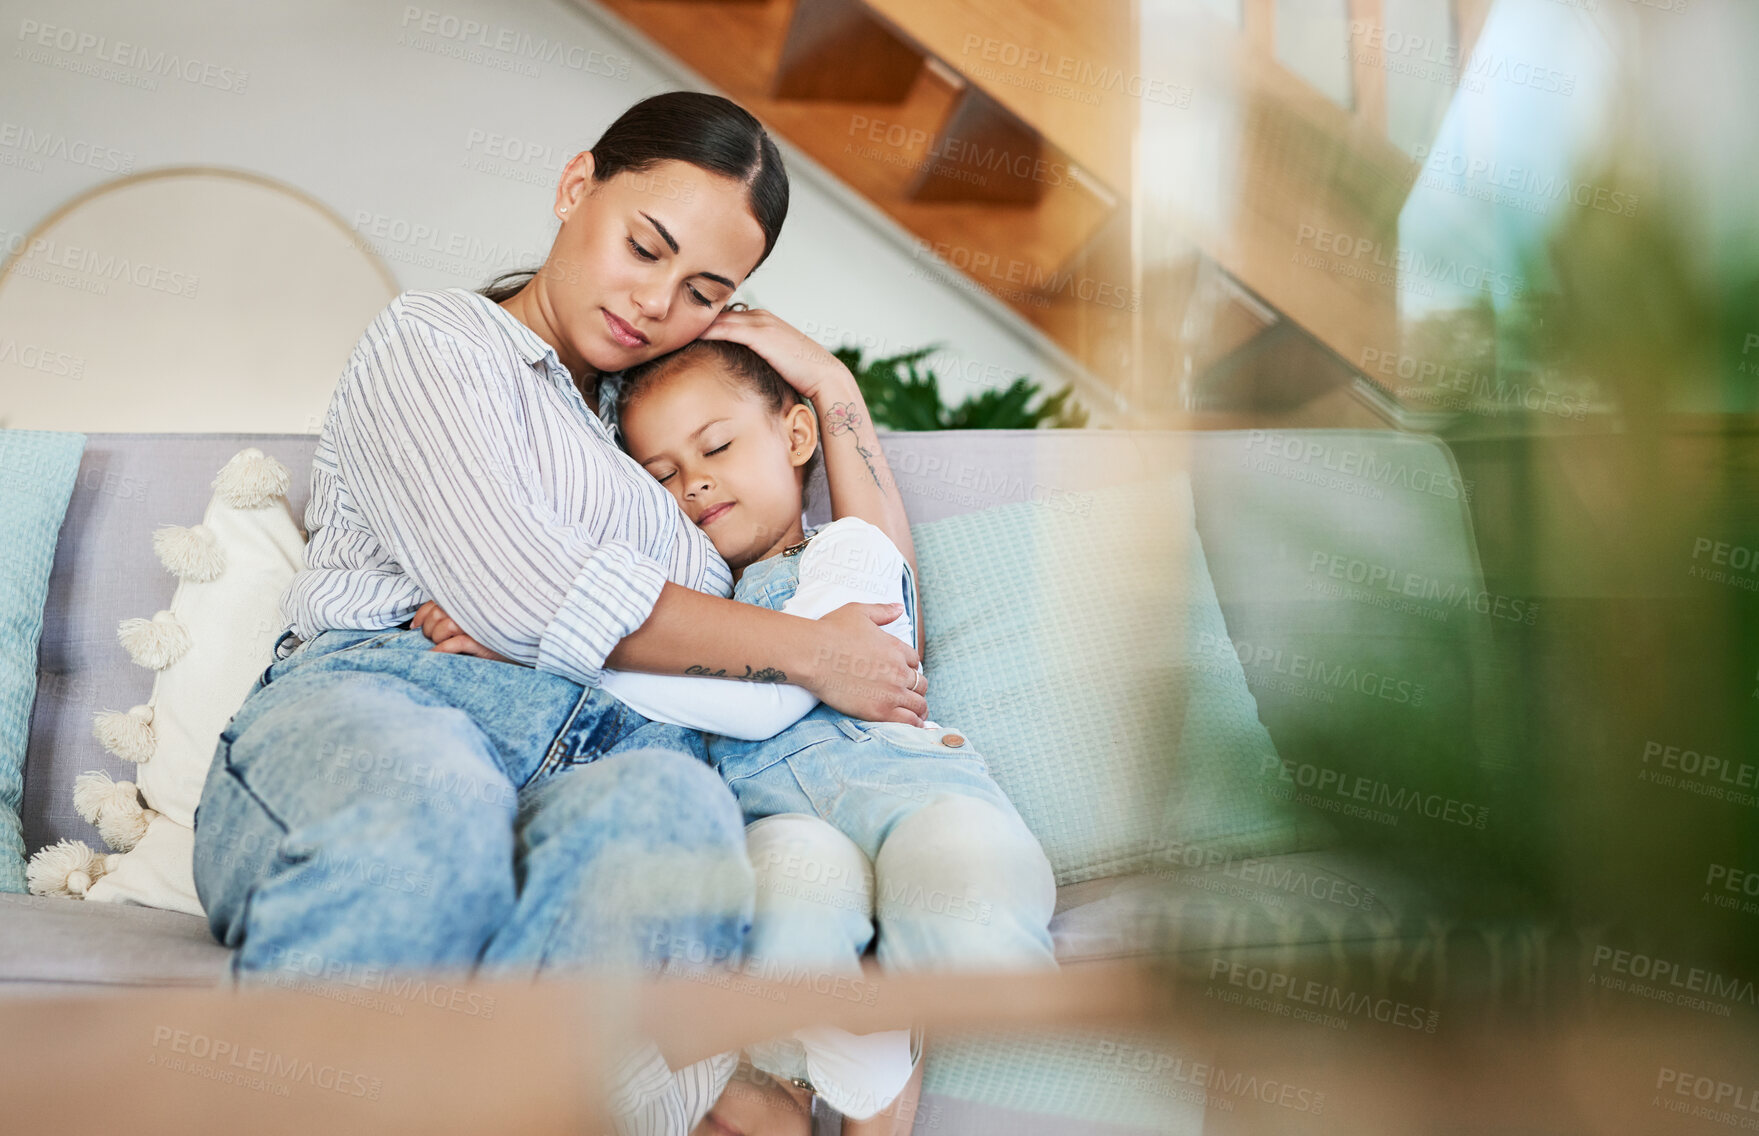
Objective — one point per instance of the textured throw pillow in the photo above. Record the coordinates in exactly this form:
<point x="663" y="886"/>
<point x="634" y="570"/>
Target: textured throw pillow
<point x="208" y="647"/>
<point x="37" y="472"/>
<point x="1067" y="643"/>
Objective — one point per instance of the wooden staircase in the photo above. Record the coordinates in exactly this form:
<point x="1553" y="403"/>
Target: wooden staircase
<point x="1009" y="138"/>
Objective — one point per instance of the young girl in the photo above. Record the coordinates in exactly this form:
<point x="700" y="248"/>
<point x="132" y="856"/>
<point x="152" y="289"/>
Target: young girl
<point x="848" y="819"/>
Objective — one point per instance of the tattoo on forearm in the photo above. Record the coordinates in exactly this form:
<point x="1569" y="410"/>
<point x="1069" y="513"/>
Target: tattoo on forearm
<point x="867" y="456"/>
<point x="842" y="418"/>
<point x="762" y="674"/>
<point x="846" y="418"/>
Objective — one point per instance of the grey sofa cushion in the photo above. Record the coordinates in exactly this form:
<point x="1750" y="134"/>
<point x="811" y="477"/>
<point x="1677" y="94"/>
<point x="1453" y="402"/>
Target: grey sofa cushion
<point x="66" y="941"/>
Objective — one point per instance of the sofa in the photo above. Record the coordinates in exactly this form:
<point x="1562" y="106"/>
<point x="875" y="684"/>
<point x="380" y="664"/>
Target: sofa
<point x="1346" y="570"/>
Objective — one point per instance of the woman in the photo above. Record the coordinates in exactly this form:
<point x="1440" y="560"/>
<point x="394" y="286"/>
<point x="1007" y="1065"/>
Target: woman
<point x="375" y="804"/>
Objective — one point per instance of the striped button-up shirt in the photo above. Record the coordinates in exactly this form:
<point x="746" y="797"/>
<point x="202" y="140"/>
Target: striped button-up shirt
<point x="459" y="463"/>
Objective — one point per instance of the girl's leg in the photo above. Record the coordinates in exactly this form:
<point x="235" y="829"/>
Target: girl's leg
<point x="813" y="923"/>
<point x="814" y="898"/>
<point x="352" y="822"/>
<point x="963" y="885"/>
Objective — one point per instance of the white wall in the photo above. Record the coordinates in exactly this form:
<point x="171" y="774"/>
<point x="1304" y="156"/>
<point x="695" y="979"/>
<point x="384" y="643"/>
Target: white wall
<point x="445" y="164"/>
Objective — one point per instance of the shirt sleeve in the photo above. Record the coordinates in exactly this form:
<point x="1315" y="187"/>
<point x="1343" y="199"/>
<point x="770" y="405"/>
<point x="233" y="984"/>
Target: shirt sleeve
<point x="648" y="1099"/>
<point x="429" y="443"/>
<point x="848" y="561"/>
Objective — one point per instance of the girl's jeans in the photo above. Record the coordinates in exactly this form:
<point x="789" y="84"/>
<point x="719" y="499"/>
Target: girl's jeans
<point x="376" y="805"/>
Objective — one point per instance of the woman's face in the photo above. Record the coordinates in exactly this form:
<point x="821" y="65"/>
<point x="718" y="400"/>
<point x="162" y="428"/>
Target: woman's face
<point x="731" y="462"/>
<point x="643" y="262"/>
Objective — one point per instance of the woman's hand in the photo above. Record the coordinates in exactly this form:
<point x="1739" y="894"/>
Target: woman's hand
<point x="805" y="365"/>
<point x="431" y="620"/>
<point x="867" y="672"/>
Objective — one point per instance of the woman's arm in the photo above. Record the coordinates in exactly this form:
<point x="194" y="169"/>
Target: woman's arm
<point x="846" y="658"/>
<point x="860" y="480"/>
<point x="849" y="561"/>
<point x="429" y="438"/>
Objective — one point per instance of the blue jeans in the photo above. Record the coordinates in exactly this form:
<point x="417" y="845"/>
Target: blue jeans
<point x="375" y="805"/>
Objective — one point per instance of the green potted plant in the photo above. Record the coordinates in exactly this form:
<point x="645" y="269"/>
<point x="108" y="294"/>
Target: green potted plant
<point x="903" y="393"/>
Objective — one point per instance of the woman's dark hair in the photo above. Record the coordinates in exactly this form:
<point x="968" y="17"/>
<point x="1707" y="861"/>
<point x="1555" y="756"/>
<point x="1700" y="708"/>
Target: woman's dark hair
<point x="708" y="131"/>
<point x="733" y="361"/>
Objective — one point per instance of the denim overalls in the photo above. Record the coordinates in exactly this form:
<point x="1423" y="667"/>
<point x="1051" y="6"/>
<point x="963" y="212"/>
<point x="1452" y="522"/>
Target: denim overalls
<point x="864" y="777"/>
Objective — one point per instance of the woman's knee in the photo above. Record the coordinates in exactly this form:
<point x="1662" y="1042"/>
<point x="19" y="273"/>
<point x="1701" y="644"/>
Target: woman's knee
<point x="355" y="795"/>
<point x="654" y="795"/>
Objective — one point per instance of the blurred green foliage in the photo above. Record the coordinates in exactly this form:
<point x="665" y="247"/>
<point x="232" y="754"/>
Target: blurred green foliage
<point x="903" y="393"/>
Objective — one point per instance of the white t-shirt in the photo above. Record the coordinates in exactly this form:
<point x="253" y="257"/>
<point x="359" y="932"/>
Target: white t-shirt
<point x="847" y="561"/>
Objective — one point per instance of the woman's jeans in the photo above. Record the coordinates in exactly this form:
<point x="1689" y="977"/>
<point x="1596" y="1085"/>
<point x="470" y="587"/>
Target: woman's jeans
<point x="377" y="805"/>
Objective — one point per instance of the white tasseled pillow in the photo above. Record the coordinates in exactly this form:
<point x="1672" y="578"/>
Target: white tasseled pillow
<point x="208" y="647"/>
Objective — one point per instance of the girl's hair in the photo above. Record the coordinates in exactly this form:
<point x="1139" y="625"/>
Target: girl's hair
<point x="708" y="131"/>
<point x="733" y="361"/>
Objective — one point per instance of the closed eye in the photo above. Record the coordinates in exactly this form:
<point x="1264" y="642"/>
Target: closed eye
<point x="695" y="296"/>
<point x="718" y="448"/>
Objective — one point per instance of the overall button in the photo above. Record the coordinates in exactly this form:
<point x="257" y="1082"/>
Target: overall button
<point x="953" y="739"/>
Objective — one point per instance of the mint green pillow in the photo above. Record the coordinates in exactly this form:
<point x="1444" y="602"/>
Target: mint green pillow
<point x="37" y="472"/>
<point x="1063" y="638"/>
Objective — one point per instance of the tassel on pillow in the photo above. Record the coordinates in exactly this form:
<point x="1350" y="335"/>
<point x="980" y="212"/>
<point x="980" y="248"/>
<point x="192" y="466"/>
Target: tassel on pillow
<point x="192" y="553"/>
<point x="127" y="735"/>
<point x="251" y="480"/>
<point x="155" y="643"/>
<point x="67" y="869"/>
<point x="114" y="807"/>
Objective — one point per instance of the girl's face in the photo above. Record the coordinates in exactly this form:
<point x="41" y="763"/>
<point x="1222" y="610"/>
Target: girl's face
<point x="643" y="262"/>
<point x="732" y="463"/>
